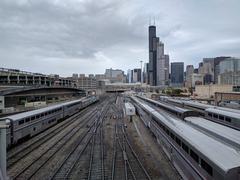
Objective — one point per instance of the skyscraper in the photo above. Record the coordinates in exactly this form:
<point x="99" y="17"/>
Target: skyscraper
<point x="177" y="72"/>
<point x="152" y="55"/>
<point x="158" y="67"/>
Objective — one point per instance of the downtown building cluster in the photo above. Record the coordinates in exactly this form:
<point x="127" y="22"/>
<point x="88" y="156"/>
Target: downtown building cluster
<point x="222" y="70"/>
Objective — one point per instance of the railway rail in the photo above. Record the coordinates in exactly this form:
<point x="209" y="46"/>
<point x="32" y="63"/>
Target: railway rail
<point x="126" y="163"/>
<point x="14" y="155"/>
<point x="42" y="154"/>
<point x="92" y="144"/>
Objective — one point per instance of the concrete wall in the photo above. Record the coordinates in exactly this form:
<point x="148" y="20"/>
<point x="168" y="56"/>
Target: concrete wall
<point x="208" y="91"/>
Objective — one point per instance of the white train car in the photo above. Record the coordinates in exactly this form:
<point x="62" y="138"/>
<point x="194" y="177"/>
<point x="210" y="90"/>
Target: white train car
<point x="129" y="109"/>
<point x="195" y="154"/>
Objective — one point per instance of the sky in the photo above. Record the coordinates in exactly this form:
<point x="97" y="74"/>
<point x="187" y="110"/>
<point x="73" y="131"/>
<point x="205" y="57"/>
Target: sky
<point x="87" y="36"/>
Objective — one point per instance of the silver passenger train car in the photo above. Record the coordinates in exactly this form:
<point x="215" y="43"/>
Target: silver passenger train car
<point x="178" y="111"/>
<point x="226" y="116"/>
<point x="195" y="154"/>
<point x="27" y="124"/>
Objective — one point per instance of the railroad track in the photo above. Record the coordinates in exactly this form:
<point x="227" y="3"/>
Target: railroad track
<point x="37" y="163"/>
<point x="23" y="151"/>
<point x="126" y="163"/>
<point x="86" y="153"/>
<point x="80" y="151"/>
<point x="34" y="164"/>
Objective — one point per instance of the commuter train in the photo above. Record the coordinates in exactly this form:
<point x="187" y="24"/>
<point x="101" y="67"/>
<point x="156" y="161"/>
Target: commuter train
<point x="225" y="116"/>
<point x="27" y="124"/>
<point x="194" y="153"/>
<point x="178" y="111"/>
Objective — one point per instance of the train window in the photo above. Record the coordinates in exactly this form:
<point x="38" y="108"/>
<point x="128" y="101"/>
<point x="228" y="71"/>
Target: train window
<point x="178" y="141"/>
<point x="42" y="114"/>
<point x="27" y="119"/>
<point x="206" y="167"/>
<point x="215" y="116"/>
<point x="194" y="155"/>
<point x="228" y="119"/>
<point x="46" y="113"/>
<point x="32" y="118"/>
<point x="172" y="135"/>
<point x="210" y="114"/>
<point x="167" y="131"/>
<point x="185" y="147"/>
<point x="221" y="117"/>
<point x="21" y="122"/>
<point x="163" y="127"/>
<point x="38" y="116"/>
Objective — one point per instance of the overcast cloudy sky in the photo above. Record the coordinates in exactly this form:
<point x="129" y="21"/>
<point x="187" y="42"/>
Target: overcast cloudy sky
<point x="88" y="36"/>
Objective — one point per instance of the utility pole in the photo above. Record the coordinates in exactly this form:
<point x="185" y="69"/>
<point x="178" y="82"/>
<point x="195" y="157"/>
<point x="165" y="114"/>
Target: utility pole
<point x="141" y="73"/>
<point x="3" y="148"/>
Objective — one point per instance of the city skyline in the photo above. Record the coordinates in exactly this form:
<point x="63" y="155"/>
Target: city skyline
<point x="85" y="37"/>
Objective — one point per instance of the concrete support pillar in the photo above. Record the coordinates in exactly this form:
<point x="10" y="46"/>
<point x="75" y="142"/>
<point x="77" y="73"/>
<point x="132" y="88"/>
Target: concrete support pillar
<point x="3" y="151"/>
<point x="18" y="79"/>
<point x="26" y="80"/>
<point x="9" y="78"/>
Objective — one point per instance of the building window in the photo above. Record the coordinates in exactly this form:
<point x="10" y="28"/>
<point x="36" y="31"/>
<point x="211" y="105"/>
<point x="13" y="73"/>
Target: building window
<point x="206" y="167"/>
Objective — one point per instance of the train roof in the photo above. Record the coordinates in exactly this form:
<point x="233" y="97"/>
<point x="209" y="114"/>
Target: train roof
<point x="223" y="112"/>
<point x="222" y="155"/>
<point x="224" y="133"/>
<point x="174" y="108"/>
<point x="129" y="105"/>
<point x="38" y="111"/>
<point x="198" y="104"/>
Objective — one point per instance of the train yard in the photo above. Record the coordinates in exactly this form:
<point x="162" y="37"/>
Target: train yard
<point x="94" y="143"/>
<point x="94" y="138"/>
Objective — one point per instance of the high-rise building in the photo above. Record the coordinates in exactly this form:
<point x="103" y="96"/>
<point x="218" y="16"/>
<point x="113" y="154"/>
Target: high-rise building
<point x="166" y="69"/>
<point x="158" y="66"/>
<point x="152" y="55"/>
<point x="136" y="76"/>
<point x="216" y="70"/>
<point x="189" y="72"/>
<point x="145" y="74"/>
<point x="115" y="75"/>
<point x="229" y="71"/>
<point x="177" y="73"/>
<point x="129" y="76"/>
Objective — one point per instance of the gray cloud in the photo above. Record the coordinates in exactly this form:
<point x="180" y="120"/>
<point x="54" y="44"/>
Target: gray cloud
<point x="86" y="36"/>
